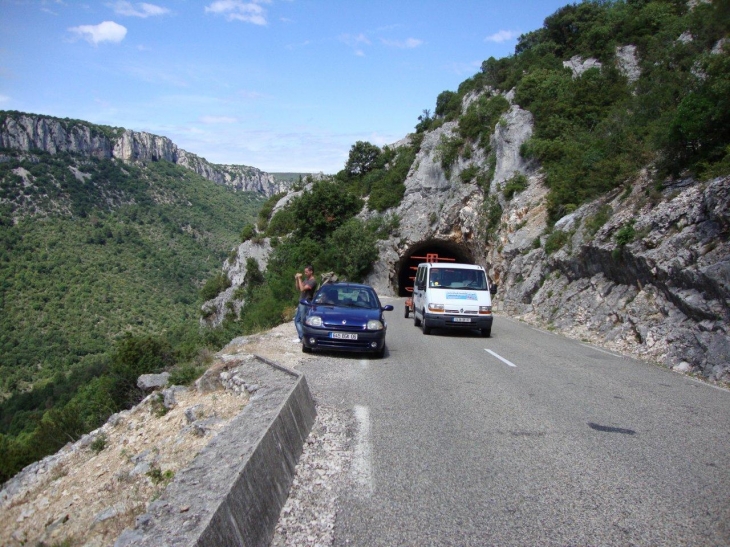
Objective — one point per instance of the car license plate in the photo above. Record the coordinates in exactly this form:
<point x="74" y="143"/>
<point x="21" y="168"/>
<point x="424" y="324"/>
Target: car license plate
<point x="343" y="335"/>
<point x="462" y="319"/>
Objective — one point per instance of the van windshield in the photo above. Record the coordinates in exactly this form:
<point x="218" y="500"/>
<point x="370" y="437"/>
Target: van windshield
<point x="457" y="278"/>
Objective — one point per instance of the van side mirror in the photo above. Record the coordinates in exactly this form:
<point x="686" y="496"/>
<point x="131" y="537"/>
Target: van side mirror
<point x="422" y="286"/>
<point x="493" y="288"/>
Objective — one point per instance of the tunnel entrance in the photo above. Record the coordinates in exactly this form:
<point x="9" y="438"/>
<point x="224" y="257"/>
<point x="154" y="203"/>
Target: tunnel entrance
<point x="428" y="251"/>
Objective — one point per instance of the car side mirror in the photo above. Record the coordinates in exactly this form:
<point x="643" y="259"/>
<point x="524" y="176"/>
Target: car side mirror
<point x="387" y="307"/>
<point x="305" y="302"/>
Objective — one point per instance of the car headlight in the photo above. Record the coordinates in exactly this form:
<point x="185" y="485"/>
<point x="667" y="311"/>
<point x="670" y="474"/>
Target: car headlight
<point x="439" y="308"/>
<point x="374" y="324"/>
<point x="485" y="310"/>
<point x="314" y="321"/>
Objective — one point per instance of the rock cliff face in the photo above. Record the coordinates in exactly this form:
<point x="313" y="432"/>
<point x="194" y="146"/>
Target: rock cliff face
<point x="661" y="292"/>
<point x="28" y="133"/>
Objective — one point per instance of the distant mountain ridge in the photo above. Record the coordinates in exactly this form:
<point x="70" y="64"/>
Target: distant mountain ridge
<point x="32" y="132"/>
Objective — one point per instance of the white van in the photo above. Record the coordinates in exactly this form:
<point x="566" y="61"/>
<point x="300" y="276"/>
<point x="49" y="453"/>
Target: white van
<point x="452" y="296"/>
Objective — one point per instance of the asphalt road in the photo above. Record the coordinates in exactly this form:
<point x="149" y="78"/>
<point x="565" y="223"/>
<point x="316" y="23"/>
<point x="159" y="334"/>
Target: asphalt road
<point x="525" y="438"/>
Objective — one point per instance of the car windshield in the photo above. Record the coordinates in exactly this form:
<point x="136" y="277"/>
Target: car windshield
<point x="457" y="278"/>
<point x="348" y="297"/>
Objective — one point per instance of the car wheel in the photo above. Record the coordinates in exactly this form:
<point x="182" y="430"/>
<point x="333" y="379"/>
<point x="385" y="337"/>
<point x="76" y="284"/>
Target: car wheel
<point x="425" y="327"/>
<point x="487" y="332"/>
<point x="407" y="311"/>
<point x="381" y="353"/>
<point x="305" y="349"/>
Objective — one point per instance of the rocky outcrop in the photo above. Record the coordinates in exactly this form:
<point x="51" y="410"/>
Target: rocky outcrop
<point x="228" y="301"/>
<point x="31" y="133"/>
<point x="646" y="273"/>
<point x="626" y="62"/>
<point x="663" y="296"/>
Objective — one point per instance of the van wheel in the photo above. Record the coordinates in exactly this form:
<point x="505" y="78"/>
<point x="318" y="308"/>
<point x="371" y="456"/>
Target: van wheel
<point x="407" y="311"/>
<point x="487" y="332"/>
<point x="426" y="328"/>
<point x="416" y="320"/>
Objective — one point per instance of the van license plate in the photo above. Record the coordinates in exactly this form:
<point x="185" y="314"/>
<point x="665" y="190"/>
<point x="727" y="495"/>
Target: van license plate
<point x="462" y="319"/>
<point x="343" y="336"/>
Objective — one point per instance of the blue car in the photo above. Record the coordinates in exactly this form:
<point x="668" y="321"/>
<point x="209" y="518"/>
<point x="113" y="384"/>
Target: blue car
<point x="345" y="317"/>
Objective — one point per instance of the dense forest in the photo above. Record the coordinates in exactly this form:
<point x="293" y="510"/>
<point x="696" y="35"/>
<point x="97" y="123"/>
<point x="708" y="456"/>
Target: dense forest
<point x="102" y="265"/>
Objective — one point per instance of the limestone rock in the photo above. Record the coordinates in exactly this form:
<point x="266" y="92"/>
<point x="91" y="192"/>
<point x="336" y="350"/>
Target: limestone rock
<point x="153" y="381"/>
<point x="30" y="133"/>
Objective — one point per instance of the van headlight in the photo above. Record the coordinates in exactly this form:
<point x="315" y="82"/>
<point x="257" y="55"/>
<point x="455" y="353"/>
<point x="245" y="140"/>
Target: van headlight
<point x="485" y="310"/>
<point x="374" y="324"/>
<point x="438" y="308"/>
<point x="314" y="321"/>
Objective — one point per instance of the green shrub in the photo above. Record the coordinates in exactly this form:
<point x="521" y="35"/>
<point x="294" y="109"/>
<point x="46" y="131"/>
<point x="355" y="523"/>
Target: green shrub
<point x="478" y="122"/>
<point x="492" y="215"/>
<point x="247" y="232"/>
<point x="516" y="184"/>
<point x="388" y="190"/>
<point x="266" y="209"/>
<point x="625" y="234"/>
<point x="185" y="375"/>
<point x="448" y="105"/>
<point x="447" y="151"/>
<point x="469" y="174"/>
<point x="214" y="286"/>
<point x="157" y="476"/>
<point x="99" y="443"/>
<point x="595" y="222"/>
<point x="555" y="241"/>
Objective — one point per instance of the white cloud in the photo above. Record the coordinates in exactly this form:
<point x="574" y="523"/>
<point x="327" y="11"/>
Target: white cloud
<point x="410" y="43"/>
<point x="237" y="10"/>
<point x="142" y="9"/>
<point x="210" y="120"/>
<point x="354" y="41"/>
<point x="502" y="36"/>
<point x="108" y="31"/>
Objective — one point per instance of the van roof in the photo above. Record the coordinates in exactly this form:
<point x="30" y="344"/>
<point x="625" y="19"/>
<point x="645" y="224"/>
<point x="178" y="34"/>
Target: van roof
<point x="452" y="265"/>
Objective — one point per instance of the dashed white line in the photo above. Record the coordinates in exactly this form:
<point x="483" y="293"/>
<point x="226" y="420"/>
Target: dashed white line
<point x="510" y="363"/>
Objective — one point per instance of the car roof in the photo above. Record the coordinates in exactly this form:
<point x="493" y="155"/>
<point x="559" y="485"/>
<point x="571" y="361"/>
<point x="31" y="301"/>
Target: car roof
<point x="347" y="284"/>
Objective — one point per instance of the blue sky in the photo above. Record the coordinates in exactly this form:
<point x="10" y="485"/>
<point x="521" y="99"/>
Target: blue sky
<point x="282" y="85"/>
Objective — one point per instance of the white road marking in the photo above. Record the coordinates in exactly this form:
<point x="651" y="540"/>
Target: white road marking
<point x="364" y="363"/>
<point x="362" y="459"/>
<point x="501" y="358"/>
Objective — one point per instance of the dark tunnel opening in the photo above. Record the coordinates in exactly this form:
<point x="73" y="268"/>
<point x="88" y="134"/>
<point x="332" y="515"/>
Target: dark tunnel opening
<point x="442" y="251"/>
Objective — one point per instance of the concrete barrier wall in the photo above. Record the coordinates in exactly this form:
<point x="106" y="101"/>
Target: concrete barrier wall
<point x="234" y="490"/>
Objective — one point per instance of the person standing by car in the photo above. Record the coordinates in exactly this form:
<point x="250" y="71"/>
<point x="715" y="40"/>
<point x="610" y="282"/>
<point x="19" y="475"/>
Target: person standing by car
<point x="306" y="285"/>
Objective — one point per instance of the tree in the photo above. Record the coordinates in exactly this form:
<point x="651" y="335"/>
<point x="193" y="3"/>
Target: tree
<point x="448" y="104"/>
<point x="363" y="158"/>
<point x="323" y="209"/>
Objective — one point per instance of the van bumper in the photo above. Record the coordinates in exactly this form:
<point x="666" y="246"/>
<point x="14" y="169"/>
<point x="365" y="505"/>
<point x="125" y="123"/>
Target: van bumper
<point x="443" y="321"/>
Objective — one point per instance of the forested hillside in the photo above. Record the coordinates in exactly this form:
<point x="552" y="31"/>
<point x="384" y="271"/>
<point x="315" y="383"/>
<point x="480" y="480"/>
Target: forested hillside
<point x="99" y="258"/>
